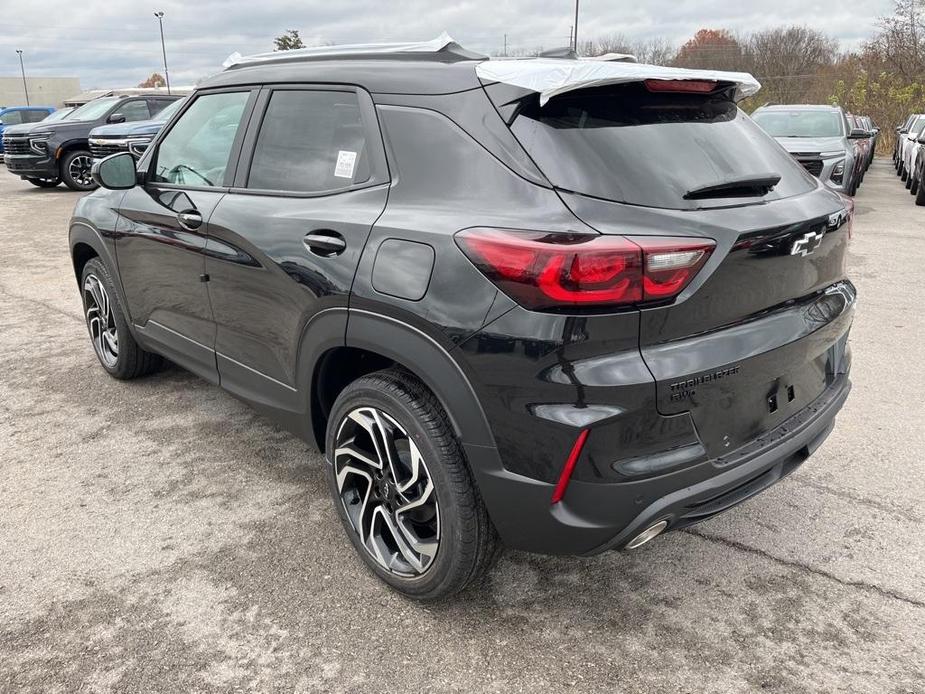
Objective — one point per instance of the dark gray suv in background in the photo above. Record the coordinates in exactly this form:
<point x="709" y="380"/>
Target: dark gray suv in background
<point x="820" y="138"/>
<point x="47" y="153"/>
<point x="479" y="290"/>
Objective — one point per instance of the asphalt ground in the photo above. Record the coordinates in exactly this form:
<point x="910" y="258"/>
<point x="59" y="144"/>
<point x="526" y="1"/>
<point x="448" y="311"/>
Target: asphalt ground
<point x="159" y="536"/>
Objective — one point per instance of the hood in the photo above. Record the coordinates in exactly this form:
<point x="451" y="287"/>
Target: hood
<point x="118" y="130"/>
<point x="60" y="127"/>
<point x="20" y="129"/>
<point x="811" y="145"/>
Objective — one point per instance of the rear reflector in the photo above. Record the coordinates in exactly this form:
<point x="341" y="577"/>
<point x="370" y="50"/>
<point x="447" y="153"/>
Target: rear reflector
<point x="569" y="467"/>
<point x="543" y="271"/>
<point x="689" y="86"/>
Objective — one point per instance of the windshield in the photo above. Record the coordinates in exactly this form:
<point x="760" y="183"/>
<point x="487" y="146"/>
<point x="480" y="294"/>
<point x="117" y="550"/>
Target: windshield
<point x="664" y="150"/>
<point x="917" y="125"/>
<point x="94" y="109"/>
<point x="800" y="123"/>
<point x="60" y="114"/>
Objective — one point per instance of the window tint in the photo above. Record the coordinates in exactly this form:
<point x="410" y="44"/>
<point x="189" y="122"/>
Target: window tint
<point x="12" y="118"/>
<point x="34" y="116"/>
<point x="195" y="151"/>
<point x="134" y="110"/>
<point x="158" y="105"/>
<point x="310" y="141"/>
<point x="653" y="149"/>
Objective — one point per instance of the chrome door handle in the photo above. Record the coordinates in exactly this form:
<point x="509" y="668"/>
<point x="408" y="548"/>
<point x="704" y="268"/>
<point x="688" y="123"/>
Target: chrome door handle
<point x="325" y="243"/>
<point x="190" y="219"/>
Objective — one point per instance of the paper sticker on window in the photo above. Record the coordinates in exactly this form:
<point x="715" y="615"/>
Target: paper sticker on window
<point x="346" y="163"/>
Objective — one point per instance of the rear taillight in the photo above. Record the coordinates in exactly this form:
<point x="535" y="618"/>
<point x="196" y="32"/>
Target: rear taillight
<point x="543" y="270"/>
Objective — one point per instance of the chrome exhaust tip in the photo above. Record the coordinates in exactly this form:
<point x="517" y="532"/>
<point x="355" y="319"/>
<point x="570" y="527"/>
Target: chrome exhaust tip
<point x="649" y="533"/>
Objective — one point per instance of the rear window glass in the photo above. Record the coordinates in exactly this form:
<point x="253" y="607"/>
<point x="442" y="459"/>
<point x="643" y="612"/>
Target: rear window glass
<point x="799" y="123"/>
<point x="309" y="142"/>
<point x="630" y="145"/>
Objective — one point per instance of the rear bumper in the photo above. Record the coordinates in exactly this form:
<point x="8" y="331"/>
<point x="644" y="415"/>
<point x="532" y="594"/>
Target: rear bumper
<point x="595" y="517"/>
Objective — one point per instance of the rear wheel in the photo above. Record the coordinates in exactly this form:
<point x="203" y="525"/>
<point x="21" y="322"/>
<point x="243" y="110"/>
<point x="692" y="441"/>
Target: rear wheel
<point x="114" y="345"/>
<point x="75" y="170"/>
<point x="403" y="489"/>
<point x="44" y="182"/>
<point x="920" y="196"/>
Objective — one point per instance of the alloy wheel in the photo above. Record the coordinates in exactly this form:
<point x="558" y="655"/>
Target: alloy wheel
<point x="100" y="321"/>
<point x="79" y="170"/>
<point x="387" y="492"/>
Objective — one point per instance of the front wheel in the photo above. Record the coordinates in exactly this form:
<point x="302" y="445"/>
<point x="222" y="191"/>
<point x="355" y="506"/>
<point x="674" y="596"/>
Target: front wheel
<point x="403" y="489"/>
<point x="75" y="170"/>
<point x="920" y="196"/>
<point x="114" y="345"/>
<point x="44" y="182"/>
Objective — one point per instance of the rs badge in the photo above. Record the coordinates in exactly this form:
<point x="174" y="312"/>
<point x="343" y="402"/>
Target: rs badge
<point x="807" y="243"/>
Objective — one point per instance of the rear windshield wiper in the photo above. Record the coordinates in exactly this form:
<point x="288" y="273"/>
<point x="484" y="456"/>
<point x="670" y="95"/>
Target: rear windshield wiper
<point x="750" y="186"/>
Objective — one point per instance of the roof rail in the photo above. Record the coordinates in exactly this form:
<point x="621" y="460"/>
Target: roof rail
<point x="442" y="49"/>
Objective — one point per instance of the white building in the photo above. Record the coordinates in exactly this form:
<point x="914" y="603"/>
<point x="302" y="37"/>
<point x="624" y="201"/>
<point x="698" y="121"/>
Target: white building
<point x="43" y="91"/>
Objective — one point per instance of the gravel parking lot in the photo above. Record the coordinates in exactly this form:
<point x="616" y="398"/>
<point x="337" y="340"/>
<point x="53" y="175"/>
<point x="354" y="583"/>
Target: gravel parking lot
<point x="160" y="536"/>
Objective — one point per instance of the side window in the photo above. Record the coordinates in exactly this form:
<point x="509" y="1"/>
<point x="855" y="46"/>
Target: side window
<point x="158" y="105"/>
<point x="34" y="116"/>
<point x="195" y="152"/>
<point x="310" y="141"/>
<point x="134" y="110"/>
<point x="12" y="118"/>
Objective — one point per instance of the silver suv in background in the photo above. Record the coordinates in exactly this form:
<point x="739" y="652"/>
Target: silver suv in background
<point x="820" y="138"/>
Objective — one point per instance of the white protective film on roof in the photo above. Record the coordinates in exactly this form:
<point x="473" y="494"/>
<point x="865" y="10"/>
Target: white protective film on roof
<point x="433" y="46"/>
<point x="552" y="76"/>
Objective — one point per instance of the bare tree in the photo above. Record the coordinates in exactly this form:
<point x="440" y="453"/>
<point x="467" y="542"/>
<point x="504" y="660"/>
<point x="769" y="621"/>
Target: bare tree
<point x="716" y="49"/>
<point x="786" y="60"/>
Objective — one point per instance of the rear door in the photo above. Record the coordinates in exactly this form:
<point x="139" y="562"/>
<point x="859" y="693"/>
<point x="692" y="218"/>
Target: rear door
<point x="162" y="234"/>
<point x="285" y="242"/>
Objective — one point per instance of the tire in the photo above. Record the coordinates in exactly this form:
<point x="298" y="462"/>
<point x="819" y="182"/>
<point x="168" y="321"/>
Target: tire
<point x="121" y="357"/>
<point x="75" y="170"/>
<point x="903" y="174"/>
<point x="908" y="182"/>
<point x="920" y="196"/>
<point x="45" y="182"/>
<point x="451" y="522"/>
<point x="913" y="185"/>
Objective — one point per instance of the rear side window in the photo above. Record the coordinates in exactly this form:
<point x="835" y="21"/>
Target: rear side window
<point x="652" y="149"/>
<point x="195" y="152"/>
<point x="34" y="116"/>
<point x="310" y="142"/>
<point x="12" y="118"/>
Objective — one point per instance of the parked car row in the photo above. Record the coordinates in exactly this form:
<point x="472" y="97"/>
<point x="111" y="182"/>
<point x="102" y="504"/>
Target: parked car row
<point x="50" y="152"/>
<point x="909" y="155"/>
<point x="834" y="146"/>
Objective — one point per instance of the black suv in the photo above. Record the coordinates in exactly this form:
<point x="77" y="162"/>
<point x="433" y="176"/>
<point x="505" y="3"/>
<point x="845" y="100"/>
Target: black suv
<point x="47" y="153"/>
<point x="565" y="322"/>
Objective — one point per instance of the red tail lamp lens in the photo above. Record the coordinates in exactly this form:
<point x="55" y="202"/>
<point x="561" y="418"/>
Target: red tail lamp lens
<point x="543" y="270"/>
<point x="688" y="86"/>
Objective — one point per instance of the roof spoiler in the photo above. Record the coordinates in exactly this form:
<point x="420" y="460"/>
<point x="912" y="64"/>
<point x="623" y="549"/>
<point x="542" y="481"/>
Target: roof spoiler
<point x="442" y="49"/>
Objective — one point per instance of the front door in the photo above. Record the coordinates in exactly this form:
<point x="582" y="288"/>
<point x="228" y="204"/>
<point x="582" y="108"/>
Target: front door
<point x="162" y="233"/>
<point x="285" y="242"/>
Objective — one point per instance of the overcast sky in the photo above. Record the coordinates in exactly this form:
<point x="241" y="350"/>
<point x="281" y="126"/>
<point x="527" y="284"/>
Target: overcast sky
<point x="115" y="43"/>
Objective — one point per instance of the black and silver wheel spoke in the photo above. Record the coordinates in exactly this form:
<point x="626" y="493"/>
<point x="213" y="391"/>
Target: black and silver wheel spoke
<point x="387" y="492"/>
<point x="100" y="321"/>
<point x="79" y="169"/>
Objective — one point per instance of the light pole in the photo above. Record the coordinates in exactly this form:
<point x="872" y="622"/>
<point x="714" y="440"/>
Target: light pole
<point x="23" y="71"/>
<point x="575" y="32"/>
<point x="160" y="20"/>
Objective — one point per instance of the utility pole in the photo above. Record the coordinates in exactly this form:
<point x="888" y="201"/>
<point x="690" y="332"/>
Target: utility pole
<point x="575" y="32"/>
<point x="160" y="20"/>
<point x="505" y="45"/>
<point x="25" y="88"/>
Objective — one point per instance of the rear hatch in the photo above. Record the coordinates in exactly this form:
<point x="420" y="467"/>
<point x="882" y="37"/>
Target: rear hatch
<point x="760" y="332"/>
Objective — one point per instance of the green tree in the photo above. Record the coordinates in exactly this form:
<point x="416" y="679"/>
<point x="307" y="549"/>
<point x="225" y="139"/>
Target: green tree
<point x="288" y="41"/>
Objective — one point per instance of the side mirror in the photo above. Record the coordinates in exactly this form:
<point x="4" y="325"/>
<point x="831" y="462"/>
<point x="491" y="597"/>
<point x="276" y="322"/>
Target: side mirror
<point x="115" y="172"/>
<point x="116" y="118"/>
<point x="857" y="134"/>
